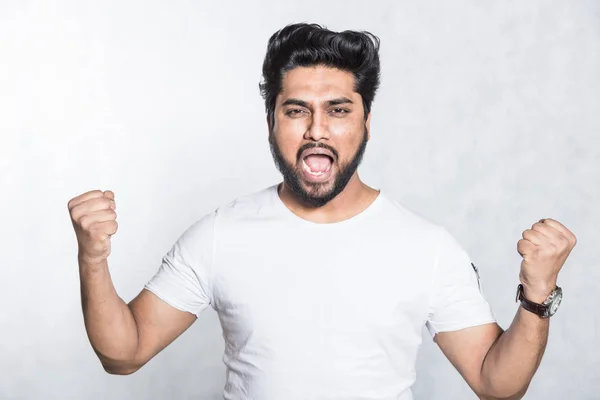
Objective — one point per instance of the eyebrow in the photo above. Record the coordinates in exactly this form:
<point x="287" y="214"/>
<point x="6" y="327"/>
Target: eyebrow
<point x="332" y="102"/>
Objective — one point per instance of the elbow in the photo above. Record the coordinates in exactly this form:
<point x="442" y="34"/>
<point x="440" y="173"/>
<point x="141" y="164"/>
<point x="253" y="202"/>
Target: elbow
<point x="503" y="389"/>
<point x="519" y="395"/>
<point x="119" y="367"/>
<point x="514" y="396"/>
<point x="119" y="370"/>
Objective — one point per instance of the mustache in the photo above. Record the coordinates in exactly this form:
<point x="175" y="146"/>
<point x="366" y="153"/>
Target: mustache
<point x="316" y="145"/>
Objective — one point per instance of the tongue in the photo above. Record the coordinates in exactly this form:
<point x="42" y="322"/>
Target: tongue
<point x="318" y="163"/>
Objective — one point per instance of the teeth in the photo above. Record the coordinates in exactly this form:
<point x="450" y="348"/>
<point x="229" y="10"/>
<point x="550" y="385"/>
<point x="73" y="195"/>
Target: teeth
<point x="307" y="169"/>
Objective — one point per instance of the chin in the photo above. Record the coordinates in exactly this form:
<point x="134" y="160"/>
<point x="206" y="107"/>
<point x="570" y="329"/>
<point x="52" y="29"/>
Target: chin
<point x="317" y="194"/>
<point x="318" y="189"/>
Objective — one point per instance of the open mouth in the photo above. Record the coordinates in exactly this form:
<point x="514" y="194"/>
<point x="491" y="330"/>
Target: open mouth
<point x="317" y="164"/>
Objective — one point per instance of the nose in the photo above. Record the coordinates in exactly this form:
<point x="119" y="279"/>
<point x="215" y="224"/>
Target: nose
<point x="318" y="128"/>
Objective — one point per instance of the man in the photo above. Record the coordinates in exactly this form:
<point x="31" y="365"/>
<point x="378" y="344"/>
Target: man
<point x="322" y="284"/>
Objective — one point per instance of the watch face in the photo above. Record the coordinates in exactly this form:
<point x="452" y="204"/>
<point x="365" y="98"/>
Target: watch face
<point x="555" y="303"/>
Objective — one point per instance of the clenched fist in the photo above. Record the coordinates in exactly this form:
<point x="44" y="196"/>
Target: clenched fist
<point x="94" y="220"/>
<point x="544" y="248"/>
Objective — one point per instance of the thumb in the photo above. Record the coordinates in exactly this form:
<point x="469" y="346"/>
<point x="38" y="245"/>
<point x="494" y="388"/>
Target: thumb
<point x="109" y="194"/>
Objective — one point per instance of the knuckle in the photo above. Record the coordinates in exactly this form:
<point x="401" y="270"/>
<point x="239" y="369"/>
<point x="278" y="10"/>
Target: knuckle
<point x="551" y="250"/>
<point x="98" y="245"/>
<point x="114" y="226"/>
<point x="93" y="230"/>
<point x="74" y="215"/>
<point x="98" y="237"/>
<point x="84" y="222"/>
<point x="93" y="195"/>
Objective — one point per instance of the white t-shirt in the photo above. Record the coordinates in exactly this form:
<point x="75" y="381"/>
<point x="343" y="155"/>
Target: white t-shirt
<point x="321" y="311"/>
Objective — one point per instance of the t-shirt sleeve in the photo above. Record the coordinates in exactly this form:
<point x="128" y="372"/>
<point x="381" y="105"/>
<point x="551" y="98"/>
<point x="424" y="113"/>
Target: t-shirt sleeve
<point x="183" y="279"/>
<point x="457" y="300"/>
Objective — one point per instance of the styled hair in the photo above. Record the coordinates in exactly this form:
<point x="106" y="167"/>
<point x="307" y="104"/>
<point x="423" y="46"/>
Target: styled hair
<point x="308" y="45"/>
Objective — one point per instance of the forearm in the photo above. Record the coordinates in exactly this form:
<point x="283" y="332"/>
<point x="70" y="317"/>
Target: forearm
<point x="514" y="358"/>
<point x="109" y="322"/>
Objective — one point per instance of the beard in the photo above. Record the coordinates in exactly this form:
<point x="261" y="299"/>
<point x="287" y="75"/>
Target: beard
<point x="319" y="195"/>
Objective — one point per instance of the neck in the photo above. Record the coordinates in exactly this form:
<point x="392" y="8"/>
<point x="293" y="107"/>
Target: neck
<point x="354" y="199"/>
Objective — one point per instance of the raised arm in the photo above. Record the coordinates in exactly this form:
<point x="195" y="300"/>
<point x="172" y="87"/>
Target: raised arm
<point x="501" y="365"/>
<point x="124" y="336"/>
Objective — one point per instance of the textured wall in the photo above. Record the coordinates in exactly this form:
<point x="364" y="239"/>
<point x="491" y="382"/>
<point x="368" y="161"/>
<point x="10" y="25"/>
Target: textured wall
<point x="487" y="120"/>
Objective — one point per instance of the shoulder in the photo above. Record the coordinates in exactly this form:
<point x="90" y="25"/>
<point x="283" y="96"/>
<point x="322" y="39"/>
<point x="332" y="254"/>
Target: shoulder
<point x="438" y="238"/>
<point x="248" y="206"/>
<point x="244" y="207"/>
<point x="198" y="239"/>
<point x="399" y="213"/>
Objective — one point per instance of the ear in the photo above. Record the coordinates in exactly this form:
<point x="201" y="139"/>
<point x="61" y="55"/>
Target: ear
<point x="368" y="125"/>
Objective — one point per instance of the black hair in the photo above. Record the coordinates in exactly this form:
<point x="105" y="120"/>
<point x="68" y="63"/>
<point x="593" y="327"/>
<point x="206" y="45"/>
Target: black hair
<point x="306" y="45"/>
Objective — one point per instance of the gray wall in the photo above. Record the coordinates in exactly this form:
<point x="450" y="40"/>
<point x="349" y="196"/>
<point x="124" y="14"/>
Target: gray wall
<point x="487" y="120"/>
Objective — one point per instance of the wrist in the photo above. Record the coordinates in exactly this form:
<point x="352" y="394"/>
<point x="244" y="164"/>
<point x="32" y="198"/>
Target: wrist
<point x="537" y="293"/>
<point x="90" y="263"/>
<point x="537" y="289"/>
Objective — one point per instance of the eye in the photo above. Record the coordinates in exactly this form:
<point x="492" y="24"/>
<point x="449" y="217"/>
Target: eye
<point x="294" y="112"/>
<point x="340" y="111"/>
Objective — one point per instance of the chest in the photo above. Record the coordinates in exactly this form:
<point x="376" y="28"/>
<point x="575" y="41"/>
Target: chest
<point x="321" y="288"/>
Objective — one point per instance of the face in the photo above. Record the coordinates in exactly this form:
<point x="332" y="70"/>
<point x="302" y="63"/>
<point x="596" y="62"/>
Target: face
<point x="319" y="133"/>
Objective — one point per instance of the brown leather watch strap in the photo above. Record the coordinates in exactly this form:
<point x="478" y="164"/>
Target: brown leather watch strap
<point x="539" y="309"/>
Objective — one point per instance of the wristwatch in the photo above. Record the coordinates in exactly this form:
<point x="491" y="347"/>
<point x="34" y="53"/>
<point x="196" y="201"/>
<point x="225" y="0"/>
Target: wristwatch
<point x="547" y="308"/>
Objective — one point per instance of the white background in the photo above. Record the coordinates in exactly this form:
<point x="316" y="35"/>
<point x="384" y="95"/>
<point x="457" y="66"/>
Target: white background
<point x="487" y="120"/>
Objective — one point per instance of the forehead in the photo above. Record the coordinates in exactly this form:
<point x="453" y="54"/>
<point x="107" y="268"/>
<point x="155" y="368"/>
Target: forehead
<point x="317" y="82"/>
